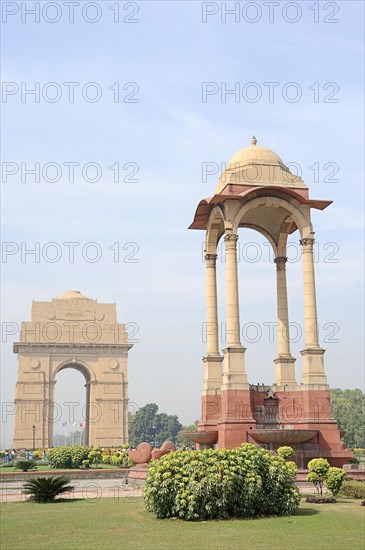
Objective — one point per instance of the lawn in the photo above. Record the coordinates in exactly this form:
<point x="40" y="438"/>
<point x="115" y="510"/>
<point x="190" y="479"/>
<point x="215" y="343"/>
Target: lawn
<point x="125" y="524"/>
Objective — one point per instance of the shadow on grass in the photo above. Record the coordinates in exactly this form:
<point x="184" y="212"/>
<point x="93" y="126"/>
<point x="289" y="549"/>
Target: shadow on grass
<point x="306" y="512"/>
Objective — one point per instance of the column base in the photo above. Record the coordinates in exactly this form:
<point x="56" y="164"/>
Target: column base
<point x="234" y="372"/>
<point x="233" y="434"/>
<point x="285" y="370"/>
<point x="313" y="367"/>
<point x="236" y="406"/>
<point x="211" y="410"/>
<point x="212" y="374"/>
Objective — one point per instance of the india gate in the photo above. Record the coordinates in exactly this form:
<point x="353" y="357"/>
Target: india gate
<point x="72" y="332"/>
<point x="256" y="190"/>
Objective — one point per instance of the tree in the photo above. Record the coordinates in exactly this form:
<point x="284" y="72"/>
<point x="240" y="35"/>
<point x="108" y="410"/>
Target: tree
<point x="180" y="439"/>
<point x="147" y="424"/>
<point x="318" y="468"/>
<point x="349" y="410"/>
<point x="334" y="479"/>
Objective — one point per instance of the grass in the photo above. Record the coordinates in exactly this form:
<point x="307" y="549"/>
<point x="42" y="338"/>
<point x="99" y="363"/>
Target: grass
<point x="125" y="524"/>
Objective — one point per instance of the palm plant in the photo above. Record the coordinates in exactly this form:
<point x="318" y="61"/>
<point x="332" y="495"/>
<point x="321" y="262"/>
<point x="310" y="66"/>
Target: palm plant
<point x="25" y="465"/>
<point x="46" y="489"/>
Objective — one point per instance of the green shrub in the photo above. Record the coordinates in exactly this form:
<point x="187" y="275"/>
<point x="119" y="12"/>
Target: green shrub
<point x="25" y="465"/>
<point x="212" y="484"/>
<point x="285" y="452"/>
<point x="353" y="489"/>
<point x="59" y="457"/>
<point x="67" y="457"/>
<point x="334" y="479"/>
<point x="78" y="454"/>
<point x="94" y="456"/>
<point x="359" y="452"/>
<point x="354" y="460"/>
<point x="121" y="459"/>
<point x="46" y="489"/>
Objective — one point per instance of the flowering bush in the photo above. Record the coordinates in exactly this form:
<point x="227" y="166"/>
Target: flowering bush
<point x="244" y="482"/>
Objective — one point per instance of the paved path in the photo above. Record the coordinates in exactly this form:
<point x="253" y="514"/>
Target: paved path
<point x="92" y="490"/>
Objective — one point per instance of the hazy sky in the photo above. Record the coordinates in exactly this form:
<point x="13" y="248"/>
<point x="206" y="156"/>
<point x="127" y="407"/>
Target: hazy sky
<point x="130" y="95"/>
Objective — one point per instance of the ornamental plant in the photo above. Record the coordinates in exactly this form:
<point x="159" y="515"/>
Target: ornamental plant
<point x="46" y="489"/>
<point x="25" y="465"/>
<point x="67" y="457"/>
<point x="94" y="456"/>
<point x="285" y="452"/>
<point x="215" y="484"/>
<point x="334" y="479"/>
<point x="318" y="468"/>
<point x="121" y="459"/>
<point x="353" y="489"/>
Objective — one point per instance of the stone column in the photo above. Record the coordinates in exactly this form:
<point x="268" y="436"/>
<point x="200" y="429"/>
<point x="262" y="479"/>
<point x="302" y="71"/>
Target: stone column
<point x="212" y="305"/>
<point x="313" y="366"/>
<point x="285" y="372"/>
<point x="310" y="303"/>
<point x="213" y="360"/>
<point x="233" y="313"/>
<point x="234" y="374"/>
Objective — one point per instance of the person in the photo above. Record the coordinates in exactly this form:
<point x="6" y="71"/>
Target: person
<point x="26" y="454"/>
<point x="13" y="454"/>
<point x="7" y="456"/>
<point x="44" y="455"/>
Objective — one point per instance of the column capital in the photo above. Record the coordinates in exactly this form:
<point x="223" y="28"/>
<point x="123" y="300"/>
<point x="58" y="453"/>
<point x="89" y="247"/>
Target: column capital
<point x="231" y="238"/>
<point x="211" y="259"/>
<point x="280" y="262"/>
<point x="307" y="241"/>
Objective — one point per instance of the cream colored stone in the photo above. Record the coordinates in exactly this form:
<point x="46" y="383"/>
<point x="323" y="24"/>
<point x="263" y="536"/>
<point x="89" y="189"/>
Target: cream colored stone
<point x="276" y="212"/>
<point x="72" y="331"/>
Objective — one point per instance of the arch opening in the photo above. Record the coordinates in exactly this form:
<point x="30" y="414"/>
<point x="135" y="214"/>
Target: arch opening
<point x="71" y="405"/>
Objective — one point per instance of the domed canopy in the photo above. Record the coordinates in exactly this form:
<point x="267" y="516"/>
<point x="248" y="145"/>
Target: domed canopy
<point x="72" y="295"/>
<point x="255" y="154"/>
<point x="256" y="166"/>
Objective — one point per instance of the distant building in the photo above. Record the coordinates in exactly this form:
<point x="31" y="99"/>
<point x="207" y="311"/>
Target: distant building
<point x="72" y="331"/>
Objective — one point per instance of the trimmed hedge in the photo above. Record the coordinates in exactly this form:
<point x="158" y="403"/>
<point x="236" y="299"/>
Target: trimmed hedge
<point x="353" y="489"/>
<point x="214" y="484"/>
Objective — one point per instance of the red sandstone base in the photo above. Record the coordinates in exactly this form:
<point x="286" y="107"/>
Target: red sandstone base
<point x="302" y="419"/>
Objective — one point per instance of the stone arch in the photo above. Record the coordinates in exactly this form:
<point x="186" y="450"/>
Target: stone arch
<point x="78" y="365"/>
<point x="215" y="228"/>
<point x="104" y="365"/>
<point x="89" y="377"/>
<point x="302" y="222"/>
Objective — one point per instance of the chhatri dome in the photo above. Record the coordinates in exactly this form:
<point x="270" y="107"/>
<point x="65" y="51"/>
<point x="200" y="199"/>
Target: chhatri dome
<point x="258" y="166"/>
<point x="252" y="172"/>
<point x="255" y="154"/>
<point x="72" y="295"/>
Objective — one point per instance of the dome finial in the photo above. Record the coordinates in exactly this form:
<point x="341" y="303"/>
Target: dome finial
<point x="254" y="140"/>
